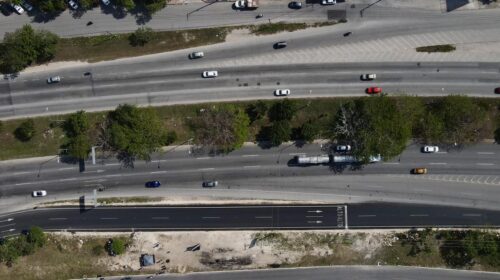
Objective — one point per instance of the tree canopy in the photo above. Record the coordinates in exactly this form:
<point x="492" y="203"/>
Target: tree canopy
<point x="76" y="128"/>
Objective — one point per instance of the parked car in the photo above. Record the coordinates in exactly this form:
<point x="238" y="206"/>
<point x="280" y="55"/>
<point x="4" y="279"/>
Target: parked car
<point x="153" y="184"/>
<point x="295" y="5"/>
<point x="18" y="9"/>
<point x="347" y="34"/>
<point x="497" y="90"/>
<point x="39" y="193"/>
<point x="419" y="170"/>
<point x="280" y="45"/>
<point x="430" y="149"/>
<point x="282" y="92"/>
<point x="26" y="5"/>
<point x="210" y="74"/>
<point x="374" y="90"/>
<point x="342" y="148"/>
<point x="195" y="55"/>
<point x="73" y="4"/>
<point x="106" y="2"/>
<point x="328" y="2"/>
<point x="210" y="184"/>
<point x="368" y="77"/>
<point x="55" y="79"/>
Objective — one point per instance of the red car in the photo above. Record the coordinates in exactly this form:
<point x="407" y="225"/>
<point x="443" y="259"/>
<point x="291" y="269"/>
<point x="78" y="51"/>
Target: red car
<point x="374" y="90"/>
<point x="497" y="90"/>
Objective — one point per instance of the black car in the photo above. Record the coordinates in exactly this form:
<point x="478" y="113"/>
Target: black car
<point x="280" y="45"/>
<point x="295" y="5"/>
<point x="347" y="34"/>
<point x="210" y="184"/>
<point x="153" y="184"/>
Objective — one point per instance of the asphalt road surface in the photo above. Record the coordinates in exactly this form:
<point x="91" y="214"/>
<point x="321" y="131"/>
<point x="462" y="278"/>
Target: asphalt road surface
<point x="309" y="66"/>
<point x="464" y="178"/>
<point x="354" y="216"/>
<point x="335" y="272"/>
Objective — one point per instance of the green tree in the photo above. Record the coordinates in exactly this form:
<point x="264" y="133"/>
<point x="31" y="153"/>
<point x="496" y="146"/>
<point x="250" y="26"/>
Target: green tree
<point x="26" y="46"/>
<point x="118" y="246"/>
<point x="135" y="132"/>
<point x="25" y="131"/>
<point x="430" y="129"/>
<point x="170" y="138"/>
<point x="463" y="120"/>
<point x="280" y="132"/>
<point x="221" y="129"/>
<point x="309" y="131"/>
<point x="152" y="6"/>
<point x="256" y="111"/>
<point x="76" y="128"/>
<point x="284" y="110"/>
<point x="86" y="4"/>
<point x="37" y="237"/>
<point x="141" y="36"/>
<point x="50" y="6"/>
<point x="126" y="4"/>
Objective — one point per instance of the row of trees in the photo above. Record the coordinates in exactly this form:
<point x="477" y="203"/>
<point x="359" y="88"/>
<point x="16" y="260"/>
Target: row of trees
<point x="22" y="245"/>
<point x="25" y="46"/>
<point x="57" y="6"/>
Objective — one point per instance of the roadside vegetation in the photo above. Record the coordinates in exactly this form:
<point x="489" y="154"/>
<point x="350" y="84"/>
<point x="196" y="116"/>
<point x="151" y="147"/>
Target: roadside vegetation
<point x="28" y="243"/>
<point x="371" y="125"/>
<point x="437" y="48"/>
<point x="272" y="28"/>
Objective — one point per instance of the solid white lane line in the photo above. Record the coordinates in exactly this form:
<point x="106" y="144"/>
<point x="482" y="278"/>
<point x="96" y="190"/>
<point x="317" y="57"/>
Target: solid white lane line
<point x="160" y="218"/>
<point x="109" y="218"/>
<point x="158" y="172"/>
<point x="22" y="173"/>
<point x="485" y="163"/>
<point x="366" y="216"/>
<point x="390" y="162"/>
<point x="296" y="154"/>
<point x="66" y="168"/>
<point x="471" y="215"/>
<point x="114" y="175"/>
<point x="419" y="215"/>
<point x="250" y="155"/>
<point x="210" y="217"/>
<point x="263" y="217"/>
<point x="203" y="158"/>
<point x="438" y="163"/>
<point x="251" y="166"/>
<point x="211" y="168"/>
<point x="27" y="183"/>
<point x="68" y="179"/>
<point x="7" y="225"/>
<point x="112" y="164"/>
<point x="485" y="153"/>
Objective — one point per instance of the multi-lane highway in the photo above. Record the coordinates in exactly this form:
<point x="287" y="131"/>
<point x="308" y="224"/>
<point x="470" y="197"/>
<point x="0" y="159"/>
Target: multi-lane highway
<point x="256" y="217"/>
<point x="467" y="178"/>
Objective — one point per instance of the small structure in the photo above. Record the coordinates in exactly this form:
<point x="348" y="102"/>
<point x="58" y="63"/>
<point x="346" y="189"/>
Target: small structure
<point x="147" y="260"/>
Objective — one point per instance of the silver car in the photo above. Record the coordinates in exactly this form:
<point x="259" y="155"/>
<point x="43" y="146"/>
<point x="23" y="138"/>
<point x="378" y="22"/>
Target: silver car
<point x="282" y="92"/>
<point x="195" y="55"/>
<point x="210" y="74"/>
<point x="430" y="149"/>
<point x="55" y="79"/>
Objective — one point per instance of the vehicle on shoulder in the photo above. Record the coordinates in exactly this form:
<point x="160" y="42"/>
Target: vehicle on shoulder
<point x="54" y="79"/>
<point x="153" y="184"/>
<point x="282" y="92"/>
<point x="374" y="90"/>
<point x="497" y="90"/>
<point x="368" y="77"/>
<point x="195" y="55"/>
<point x="430" y="149"/>
<point x="39" y="193"/>
<point x="18" y="9"/>
<point x="419" y="170"/>
<point x="73" y="5"/>
<point x="26" y="5"/>
<point x="295" y="5"/>
<point x="210" y="74"/>
<point x="280" y="45"/>
<point x="210" y="184"/>
<point x="328" y="2"/>
<point x="342" y="148"/>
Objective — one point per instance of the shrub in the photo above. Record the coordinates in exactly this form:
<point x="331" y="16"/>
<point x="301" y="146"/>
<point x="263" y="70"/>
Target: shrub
<point x="36" y="236"/>
<point x="436" y="48"/>
<point x="141" y="36"/>
<point x="25" y="131"/>
<point x="118" y="246"/>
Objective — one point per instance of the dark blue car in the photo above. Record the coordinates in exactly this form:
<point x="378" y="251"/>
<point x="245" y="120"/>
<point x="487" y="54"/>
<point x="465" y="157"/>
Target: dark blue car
<point x="153" y="184"/>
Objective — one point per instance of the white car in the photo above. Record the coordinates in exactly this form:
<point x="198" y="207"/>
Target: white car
<point x="240" y="4"/>
<point x="210" y="74"/>
<point x="55" y="79"/>
<point x="19" y="10"/>
<point x="106" y="2"/>
<point x="282" y="92"/>
<point x="39" y="193"/>
<point x="195" y="55"/>
<point x="368" y="77"/>
<point x="430" y="149"/>
<point x="328" y="2"/>
<point x="343" y="148"/>
<point x="73" y="4"/>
